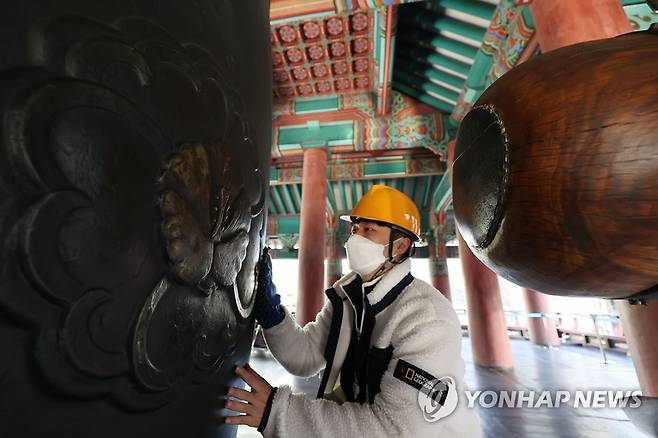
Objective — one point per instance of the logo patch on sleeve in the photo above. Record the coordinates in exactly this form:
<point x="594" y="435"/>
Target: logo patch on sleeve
<point x="421" y="380"/>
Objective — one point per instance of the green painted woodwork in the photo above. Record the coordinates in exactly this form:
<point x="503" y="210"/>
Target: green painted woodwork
<point x="412" y="189"/>
<point x="271" y="205"/>
<point x="448" y="24"/>
<point x="509" y="33"/>
<point x="331" y="197"/>
<point x="427" y="191"/>
<point x="416" y="187"/>
<point x="424" y="221"/>
<point x="441" y="191"/>
<point x="309" y="106"/>
<point x="641" y="16"/>
<point x="343" y="195"/>
<point x="355" y="197"/>
<point x="286" y="254"/>
<point x="431" y="57"/>
<point x="298" y="192"/>
<point x="379" y="43"/>
<point x="292" y="206"/>
<point x="410" y="65"/>
<point x="424" y="30"/>
<point x="418" y="95"/>
<point x="365" y="186"/>
<point x="425" y="85"/>
<point x="372" y="169"/>
<point x="316" y="135"/>
<point x="420" y="189"/>
<point x="476" y="8"/>
<point x="477" y="77"/>
<point x="379" y="53"/>
<point x="279" y="202"/>
<point x="273" y="209"/>
<point x="431" y="39"/>
<point x="527" y="17"/>
<point x="368" y="169"/>
<point x="288" y="224"/>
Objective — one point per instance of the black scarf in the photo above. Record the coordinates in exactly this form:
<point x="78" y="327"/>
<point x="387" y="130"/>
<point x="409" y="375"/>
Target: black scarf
<point x="362" y="370"/>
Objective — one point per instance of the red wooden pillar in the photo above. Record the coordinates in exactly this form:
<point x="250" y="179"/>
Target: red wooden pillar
<point x="439" y="264"/>
<point x="542" y="330"/>
<point x="334" y="252"/>
<point x="560" y="23"/>
<point x="486" y="317"/>
<point x="640" y="325"/>
<point x="310" y="297"/>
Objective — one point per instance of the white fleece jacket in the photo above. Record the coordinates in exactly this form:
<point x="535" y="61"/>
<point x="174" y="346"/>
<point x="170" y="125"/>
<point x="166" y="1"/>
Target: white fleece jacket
<point x="424" y="331"/>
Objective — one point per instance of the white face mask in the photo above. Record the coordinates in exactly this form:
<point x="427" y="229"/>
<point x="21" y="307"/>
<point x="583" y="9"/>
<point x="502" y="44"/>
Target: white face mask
<point x="364" y="255"/>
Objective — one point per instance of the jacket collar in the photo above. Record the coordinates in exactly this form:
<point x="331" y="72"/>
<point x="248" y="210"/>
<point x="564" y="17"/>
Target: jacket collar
<point x="383" y="284"/>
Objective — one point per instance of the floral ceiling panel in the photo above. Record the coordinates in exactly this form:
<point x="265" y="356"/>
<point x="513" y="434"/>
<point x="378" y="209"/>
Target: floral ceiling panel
<point x="326" y="55"/>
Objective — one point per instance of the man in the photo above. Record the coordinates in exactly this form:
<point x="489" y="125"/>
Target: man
<point x="389" y="344"/>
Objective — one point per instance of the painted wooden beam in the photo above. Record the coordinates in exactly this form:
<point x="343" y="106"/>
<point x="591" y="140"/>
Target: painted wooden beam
<point x="384" y="101"/>
<point x="431" y="57"/>
<point x="411" y="66"/>
<point x="425" y="84"/>
<point x="331" y="196"/>
<point x="281" y="206"/>
<point x="442" y="23"/>
<point x="369" y="170"/>
<point x="343" y="195"/>
<point x="410" y="34"/>
<point x="292" y="9"/>
<point x="422" y="97"/>
<point x="351" y="5"/>
<point x="271" y="205"/>
<point x="476" y="8"/>
<point x="510" y="33"/>
<point x="441" y="193"/>
<point x="316" y="105"/>
<point x="288" y="198"/>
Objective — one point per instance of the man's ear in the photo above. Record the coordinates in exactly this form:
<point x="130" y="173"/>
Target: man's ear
<point x="407" y="244"/>
<point x="402" y="245"/>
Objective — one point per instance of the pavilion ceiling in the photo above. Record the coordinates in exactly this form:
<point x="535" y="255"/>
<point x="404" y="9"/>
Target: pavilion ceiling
<point x="325" y="55"/>
<point x="437" y="43"/>
<point x="383" y="87"/>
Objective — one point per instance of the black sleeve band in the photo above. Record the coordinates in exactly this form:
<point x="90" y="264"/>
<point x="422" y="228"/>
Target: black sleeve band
<point x="266" y="412"/>
<point x="421" y="380"/>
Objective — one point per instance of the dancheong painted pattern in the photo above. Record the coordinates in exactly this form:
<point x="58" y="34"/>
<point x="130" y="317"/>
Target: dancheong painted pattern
<point x="332" y="54"/>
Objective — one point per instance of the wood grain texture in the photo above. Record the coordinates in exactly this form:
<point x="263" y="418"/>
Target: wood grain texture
<point x="577" y="207"/>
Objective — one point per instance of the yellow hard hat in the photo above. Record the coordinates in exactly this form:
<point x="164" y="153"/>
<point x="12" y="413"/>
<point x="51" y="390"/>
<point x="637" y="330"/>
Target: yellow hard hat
<point x="385" y="204"/>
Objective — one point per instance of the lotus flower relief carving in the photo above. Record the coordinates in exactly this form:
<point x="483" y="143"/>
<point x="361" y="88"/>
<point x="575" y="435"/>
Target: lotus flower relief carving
<point x="134" y="268"/>
<point x="205" y="227"/>
<point x="206" y="224"/>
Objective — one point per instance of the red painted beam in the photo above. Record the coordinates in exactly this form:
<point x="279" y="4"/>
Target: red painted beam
<point x="420" y="152"/>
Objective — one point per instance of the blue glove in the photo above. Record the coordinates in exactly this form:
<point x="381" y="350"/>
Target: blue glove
<point x="267" y="307"/>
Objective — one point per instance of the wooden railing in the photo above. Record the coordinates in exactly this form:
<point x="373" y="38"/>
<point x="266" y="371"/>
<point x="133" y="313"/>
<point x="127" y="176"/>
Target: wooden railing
<point x="604" y="331"/>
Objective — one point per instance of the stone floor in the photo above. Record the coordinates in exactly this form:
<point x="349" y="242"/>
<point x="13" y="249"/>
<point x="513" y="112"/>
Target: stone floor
<point x="568" y="368"/>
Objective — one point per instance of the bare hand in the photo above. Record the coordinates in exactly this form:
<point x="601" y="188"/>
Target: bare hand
<point x="250" y="403"/>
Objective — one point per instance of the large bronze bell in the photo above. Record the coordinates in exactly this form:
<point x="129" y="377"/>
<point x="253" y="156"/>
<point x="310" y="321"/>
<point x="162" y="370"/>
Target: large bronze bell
<point x="134" y="154"/>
